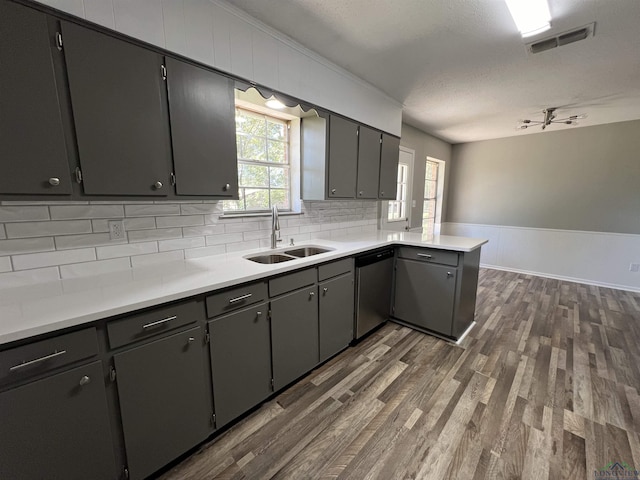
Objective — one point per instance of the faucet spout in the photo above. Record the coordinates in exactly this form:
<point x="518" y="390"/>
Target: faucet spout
<point x="275" y="227"/>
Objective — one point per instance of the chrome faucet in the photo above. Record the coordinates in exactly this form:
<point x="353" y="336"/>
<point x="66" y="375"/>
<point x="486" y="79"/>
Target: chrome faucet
<point x="275" y="227"/>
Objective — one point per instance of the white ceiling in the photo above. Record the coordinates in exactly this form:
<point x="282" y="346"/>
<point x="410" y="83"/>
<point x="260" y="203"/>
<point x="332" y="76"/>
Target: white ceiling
<point x="460" y="67"/>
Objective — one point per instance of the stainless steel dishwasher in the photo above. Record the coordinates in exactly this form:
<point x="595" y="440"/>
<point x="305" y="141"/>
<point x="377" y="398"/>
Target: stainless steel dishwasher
<point x="374" y="277"/>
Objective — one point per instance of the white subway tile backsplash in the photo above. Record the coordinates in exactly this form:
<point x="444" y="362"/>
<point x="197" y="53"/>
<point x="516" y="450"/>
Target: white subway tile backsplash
<point x="23" y="213"/>
<point x="181" y="244"/>
<point x="180" y="221"/>
<point x="158" y="234"/>
<point x="26" y="245"/>
<point x="48" y="259"/>
<point x="89" y="240"/>
<point x="67" y="212"/>
<point x="94" y="268"/>
<point x="155" y="258"/>
<point x="224" y="238"/>
<point x="126" y="250"/>
<point x="47" y="229"/>
<point x="204" y="251"/>
<point x="56" y="234"/>
<point x="151" y="210"/>
<point x="5" y="264"/>
<point x="29" y="277"/>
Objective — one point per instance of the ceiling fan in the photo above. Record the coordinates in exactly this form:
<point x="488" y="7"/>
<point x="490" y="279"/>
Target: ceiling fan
<point x="549" y="118"/>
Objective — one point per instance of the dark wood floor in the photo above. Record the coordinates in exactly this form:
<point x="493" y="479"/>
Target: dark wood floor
<point x="544" y="387"/>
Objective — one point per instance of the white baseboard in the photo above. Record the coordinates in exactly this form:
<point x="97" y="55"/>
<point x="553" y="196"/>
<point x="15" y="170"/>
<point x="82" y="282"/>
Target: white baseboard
<point x="593" y="258"/>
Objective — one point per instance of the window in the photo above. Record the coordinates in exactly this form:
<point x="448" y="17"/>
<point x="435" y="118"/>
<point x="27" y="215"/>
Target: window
<point x="264" y="168"/>
<point x="430" y="196"/>
<point x="398" y="207"/>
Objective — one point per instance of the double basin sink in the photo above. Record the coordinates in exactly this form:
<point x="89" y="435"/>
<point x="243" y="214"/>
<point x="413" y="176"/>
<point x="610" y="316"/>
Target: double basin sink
<point x="288" y="255"/>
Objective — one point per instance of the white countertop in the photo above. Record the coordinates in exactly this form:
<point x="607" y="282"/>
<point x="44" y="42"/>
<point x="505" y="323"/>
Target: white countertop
<point x="46" y="307"/>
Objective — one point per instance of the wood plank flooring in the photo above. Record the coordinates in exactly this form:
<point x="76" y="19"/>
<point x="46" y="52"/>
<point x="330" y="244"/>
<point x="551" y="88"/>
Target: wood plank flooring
<point x="544" y="387"/>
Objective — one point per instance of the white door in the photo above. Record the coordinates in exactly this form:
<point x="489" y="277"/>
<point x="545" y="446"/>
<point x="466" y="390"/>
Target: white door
<point x="396" y="214"/>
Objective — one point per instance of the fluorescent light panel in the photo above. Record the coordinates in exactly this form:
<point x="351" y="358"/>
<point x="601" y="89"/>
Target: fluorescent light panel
<point x="531" y="16"/>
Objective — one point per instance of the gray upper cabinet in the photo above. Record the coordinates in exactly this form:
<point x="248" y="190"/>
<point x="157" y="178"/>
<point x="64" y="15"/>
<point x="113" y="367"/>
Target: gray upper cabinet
<point x="57" y="428"/>
<point x="294" y="335"/>
<point x="240" y="361"/>
<point x="163" y="400"/>
<point x="336" y="315"/>
<point x="389" y="156"/>
<point x="368" y="162"/>
<point x="202" y="110"/>
<point x="119" y="106"/>
<point x="343" y="158"/>
<point x="32" y="143"/>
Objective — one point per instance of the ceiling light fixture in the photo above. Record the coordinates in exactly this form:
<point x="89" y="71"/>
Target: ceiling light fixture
<point x="273" y="102"/>
<point x="549" y="118"/>
<point x="531" y="16"/>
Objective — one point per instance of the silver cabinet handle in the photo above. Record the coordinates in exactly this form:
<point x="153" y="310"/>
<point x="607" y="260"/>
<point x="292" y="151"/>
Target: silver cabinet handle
<point x="382" y="194"/>
<point x="37" y="360"/>
<point x="360" y="192"/>
<point x="158" y="185"/>
<point x="325" y="289"/>
<point x="424" y="255"/>
<point x="226" y="187"/>
<point x="241" y="297"/>
<point x="54" y="181"/>
<point x="333" y="190"/>
<point x="191" y="339"/>
<point x="311" y="294"/>
<point x="85" y="380"/>
<point x="258" y="313"/>
<point x="159" y="322"/>
<point x="449" y="274"/>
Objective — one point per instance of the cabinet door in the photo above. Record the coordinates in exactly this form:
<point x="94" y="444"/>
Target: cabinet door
<point x="424" y="295"/>
<point x="294" y="335"/>
<point x="120" y="111"/>
<point x="161" y="388"/>
<point x="57" y="428"/>
<point x="203" y="131"/>
<point x="336" y="315"/>
<point x="32" y="148"/>
<point x="368" y="162"/>
<point x="240" y="362"/>
<point x="343" y="158"/>
<point x="389" y="156"/>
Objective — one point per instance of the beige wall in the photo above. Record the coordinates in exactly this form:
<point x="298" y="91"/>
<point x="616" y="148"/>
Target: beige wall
<point x="424" y="145"/>
<point x="579" y="179"/>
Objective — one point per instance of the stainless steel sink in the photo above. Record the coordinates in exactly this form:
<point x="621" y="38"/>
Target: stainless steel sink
<point x="307" y="251"/>
<point x="270" y="258"/>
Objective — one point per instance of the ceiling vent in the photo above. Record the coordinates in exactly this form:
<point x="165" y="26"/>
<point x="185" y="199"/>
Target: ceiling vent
<point x="564" y="38"/>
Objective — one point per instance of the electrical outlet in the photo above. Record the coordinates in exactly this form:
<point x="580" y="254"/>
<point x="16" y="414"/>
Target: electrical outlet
<point x="116" y="229"/>
<point x="634" y="267"/>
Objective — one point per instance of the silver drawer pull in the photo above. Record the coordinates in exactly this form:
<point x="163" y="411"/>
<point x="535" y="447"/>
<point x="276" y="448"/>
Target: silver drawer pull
<point x="159" y="322"/>
<point x="241" y="297"/>
<point x="424" y="255"/>
<point x="37" y="360"/>
<point x="85" y="380"/>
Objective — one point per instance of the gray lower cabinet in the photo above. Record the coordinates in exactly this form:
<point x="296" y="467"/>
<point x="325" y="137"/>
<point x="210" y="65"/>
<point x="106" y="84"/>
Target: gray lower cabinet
<point x="424" y="294"/>
<point x="162" y="395"/>
<point x="203" y="131"/>
<point x="57" y="428"/>
<point x="32" y="142"/>
<point x="335" y="314"/>
<point x="240" y="361"/>
<point x="294" y="335"/>
<point x="389" y="157"/>
<point x="119" y="102"/>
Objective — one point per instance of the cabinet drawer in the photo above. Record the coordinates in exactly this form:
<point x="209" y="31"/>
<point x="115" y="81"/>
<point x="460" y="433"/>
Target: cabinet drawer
<point x="27" y="360"/>
<point x="147" y="324"/>
<point x="433" y="255"/>
<point x="334" y="269"/>
<point x="235" y="298"/>
<point x="292" y="281"/>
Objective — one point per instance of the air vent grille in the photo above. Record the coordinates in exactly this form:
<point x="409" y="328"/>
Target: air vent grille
<point x="564" y="38"/>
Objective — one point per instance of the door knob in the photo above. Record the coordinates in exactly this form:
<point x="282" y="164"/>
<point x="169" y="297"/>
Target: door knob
<point x="54" y="181"/>
<point x="85" y="380"/>
<point x="158" y="185"/>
